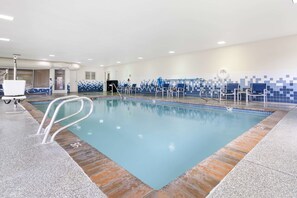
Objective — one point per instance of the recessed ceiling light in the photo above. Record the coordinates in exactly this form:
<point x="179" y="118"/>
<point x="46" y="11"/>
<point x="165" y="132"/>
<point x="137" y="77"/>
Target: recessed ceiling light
<point x="44" y="59"/>
<point x="171" y="52"/>
<point x="294" y="1"/>
<point x="52" y="55"/>
<point x="78" y="62"/>
<point x="5" y="39"/>
<point x="89" y="59"/>
<point x="221" y="42"/>
<point x="101" y="65"/>
<point x="5" y="17"/>
<point x="118" y="62"/>
<point x="140" y="58"/>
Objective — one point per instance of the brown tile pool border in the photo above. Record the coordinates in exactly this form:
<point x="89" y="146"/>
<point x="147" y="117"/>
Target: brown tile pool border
<point x="115" y="181"/>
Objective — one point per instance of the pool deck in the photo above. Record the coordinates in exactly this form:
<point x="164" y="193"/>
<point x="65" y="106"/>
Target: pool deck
<point x="29" y="169"/>
<point x="270" y="169"/>
<point x="256" y="170"/>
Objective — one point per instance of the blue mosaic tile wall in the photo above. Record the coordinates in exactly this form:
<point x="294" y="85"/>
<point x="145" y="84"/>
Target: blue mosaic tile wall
<point x="47" y="91"/>
<point x="89" y="86"/>
<point x="281" y="89"/>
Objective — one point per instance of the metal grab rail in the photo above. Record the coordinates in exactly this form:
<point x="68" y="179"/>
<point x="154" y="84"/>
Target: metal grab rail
<point x="48" y="109"/>
<point x="113" y="85"/>
<point x="80" y="109"/>
<point x="68" y="125"/>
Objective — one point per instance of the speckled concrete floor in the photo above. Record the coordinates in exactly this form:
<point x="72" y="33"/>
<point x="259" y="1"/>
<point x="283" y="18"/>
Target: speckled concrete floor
<point x="29" y="169"/>
<point x="269" y="170"/>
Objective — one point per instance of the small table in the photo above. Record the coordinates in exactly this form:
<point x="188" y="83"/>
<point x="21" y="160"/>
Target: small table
<point x="240" y="92"/>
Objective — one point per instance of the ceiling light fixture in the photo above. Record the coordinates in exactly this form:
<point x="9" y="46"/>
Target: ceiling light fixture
<point x="221" y="42"/>
<point x="101" y="65"/>
<point x="5" y="17"/>
<point x="5" y="39"/>
<point x="140" y="58"/>
<point x="52" y="55"/>
<point x="90" y="59"/>
<point x="78" y="62"/>
<point x="118" y="62"/>
<point x="171" y="52"/>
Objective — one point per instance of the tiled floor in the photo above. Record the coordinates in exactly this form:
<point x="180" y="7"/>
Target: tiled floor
<point x="114" y="181"/>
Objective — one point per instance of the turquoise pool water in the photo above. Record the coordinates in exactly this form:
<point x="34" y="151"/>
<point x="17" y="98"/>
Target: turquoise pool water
<point x="157" y="142"/>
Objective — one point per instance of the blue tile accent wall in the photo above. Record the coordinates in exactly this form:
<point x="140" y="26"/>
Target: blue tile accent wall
<point x="281" y="89"/>
<point x="47" y="91"/>
<point x="89" y="86"/>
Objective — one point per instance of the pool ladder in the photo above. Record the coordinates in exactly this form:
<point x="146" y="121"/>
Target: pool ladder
<point x="66" y="99"/>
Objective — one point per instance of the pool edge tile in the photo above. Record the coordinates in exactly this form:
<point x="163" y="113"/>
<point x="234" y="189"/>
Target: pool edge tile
<point x="208" y="173"/>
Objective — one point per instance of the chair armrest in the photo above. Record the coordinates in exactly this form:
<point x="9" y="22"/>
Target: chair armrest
<point x="248" y="90"/>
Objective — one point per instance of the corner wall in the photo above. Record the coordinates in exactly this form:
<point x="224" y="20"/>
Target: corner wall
<point x="271" y="61"/>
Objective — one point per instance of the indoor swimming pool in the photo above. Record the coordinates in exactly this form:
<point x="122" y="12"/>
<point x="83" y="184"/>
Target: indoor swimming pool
<point x="158" y="141"/>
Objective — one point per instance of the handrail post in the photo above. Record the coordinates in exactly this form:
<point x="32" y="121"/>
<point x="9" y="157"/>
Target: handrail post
<point x="48" y="128"/>
<point x="48" y="109"/>
<point x="117" y="91"/>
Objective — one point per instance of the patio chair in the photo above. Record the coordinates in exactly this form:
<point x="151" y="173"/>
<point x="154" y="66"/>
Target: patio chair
<point x="124" y="88"/>
<point x="14" y="90"/>
<point x="257" y="90"/>
<point x="229" y="90"/>
<point x="180" y="88"/>
<point x="165" y="88"/>
<point x="133" y="88"/>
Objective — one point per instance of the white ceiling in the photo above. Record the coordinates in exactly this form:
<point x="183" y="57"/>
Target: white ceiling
<point x="112" y="30"/>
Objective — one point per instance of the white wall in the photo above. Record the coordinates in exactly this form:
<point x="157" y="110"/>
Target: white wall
<point x="274" y="58"/>
<point x="35" y="64"/>
<point x="81" y="74"/>
<point x="99" y="73"/>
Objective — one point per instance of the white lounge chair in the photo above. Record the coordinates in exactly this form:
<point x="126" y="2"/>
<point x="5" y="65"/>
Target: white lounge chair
<point x="14" y="90"/>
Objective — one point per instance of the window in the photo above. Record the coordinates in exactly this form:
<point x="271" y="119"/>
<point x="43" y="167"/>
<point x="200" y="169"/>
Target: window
<point x="90" y="75"/>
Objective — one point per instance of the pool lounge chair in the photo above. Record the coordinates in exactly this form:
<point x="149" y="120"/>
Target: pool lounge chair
<point x="257" y="90"/>
<point x="229" y="90"/>
<point x="165" y="88"/>
<point x="133" y="88"/>
<point x="14" y="90"/>
<point x="180" y="88"/>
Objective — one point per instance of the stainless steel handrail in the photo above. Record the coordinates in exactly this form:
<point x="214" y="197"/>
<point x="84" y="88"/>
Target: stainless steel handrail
<point x="80" y="109"/>
<point x="48" y="109"/>
<point x="117" y="90"/>
<point x="44" y="141"/>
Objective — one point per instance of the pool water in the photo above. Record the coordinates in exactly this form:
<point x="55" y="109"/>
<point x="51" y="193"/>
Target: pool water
<point x="156" y="141"/>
